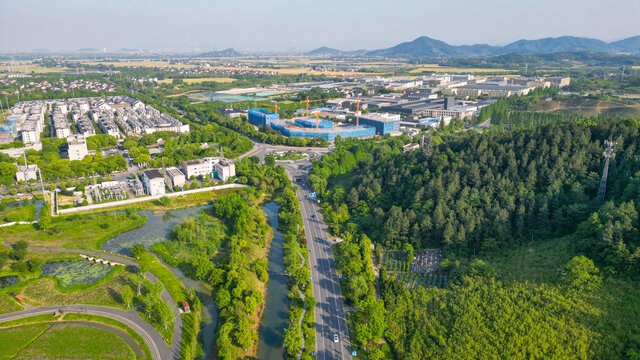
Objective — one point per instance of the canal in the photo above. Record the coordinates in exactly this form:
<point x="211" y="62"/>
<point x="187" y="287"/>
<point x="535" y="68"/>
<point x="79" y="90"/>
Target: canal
<point x="275" y="317"/>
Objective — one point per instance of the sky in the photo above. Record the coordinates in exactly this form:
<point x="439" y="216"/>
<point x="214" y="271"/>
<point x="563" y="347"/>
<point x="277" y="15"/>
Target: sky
<point x="294" y="25"/>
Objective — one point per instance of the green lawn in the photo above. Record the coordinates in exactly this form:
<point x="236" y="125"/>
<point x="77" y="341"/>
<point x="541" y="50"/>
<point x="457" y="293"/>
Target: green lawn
<point x="7" y="304"/>
<point x="73" y="341"/>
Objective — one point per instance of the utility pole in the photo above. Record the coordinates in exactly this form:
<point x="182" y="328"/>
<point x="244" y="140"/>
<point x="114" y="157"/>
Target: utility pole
<point x="608" y="154"/>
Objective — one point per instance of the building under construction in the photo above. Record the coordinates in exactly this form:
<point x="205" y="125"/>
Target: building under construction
<point x="306" y="127"/>
<point x="260" y="117"/>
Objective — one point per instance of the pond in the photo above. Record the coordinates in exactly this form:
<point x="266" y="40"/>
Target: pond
<point x="76" y="272"/>
<point x="156" y="229"/>
<point x="7" y="281"/>
<point x="275" y="317"/>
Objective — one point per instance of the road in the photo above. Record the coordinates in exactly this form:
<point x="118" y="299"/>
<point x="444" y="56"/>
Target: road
<point x="157" y="346"/>
<point x="330" y="315"/>
<point x="262" y="149"/>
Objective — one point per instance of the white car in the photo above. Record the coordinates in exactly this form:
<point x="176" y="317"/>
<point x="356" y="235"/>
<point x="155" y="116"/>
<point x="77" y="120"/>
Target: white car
<point x="335" y="337"/>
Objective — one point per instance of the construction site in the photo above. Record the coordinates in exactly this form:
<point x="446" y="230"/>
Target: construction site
<point x="317" y="127"/>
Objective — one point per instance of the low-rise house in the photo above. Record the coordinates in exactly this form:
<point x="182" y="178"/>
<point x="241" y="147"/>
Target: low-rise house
<point x="153" y="182"/>
<point x="174" y="177"/>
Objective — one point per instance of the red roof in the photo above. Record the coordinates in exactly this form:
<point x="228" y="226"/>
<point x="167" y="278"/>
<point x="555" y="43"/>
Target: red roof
<point x="185" y="304"/>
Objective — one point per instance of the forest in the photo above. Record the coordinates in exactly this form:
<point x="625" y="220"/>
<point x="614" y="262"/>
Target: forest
<point x="482" y="198"/>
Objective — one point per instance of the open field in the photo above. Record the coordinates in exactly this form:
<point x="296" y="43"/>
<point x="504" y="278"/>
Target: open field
<point x="73" y="231"/>
<point x="8" y="304"/>
<point x="28" y="67"/>
<point x="54" y="342"/>
<point x="591" y="107"/>
<point x="200" y="80"/>
<point x="284" y="70"/>
<point x="440" y="69"/>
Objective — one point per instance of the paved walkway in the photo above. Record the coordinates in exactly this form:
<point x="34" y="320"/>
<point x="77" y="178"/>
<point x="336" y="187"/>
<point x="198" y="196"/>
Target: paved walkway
<point x="151" y="336"/>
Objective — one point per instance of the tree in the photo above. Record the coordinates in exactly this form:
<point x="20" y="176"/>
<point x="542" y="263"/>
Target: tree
<point x="581" y="274"/>
<point x="165" y="314"/>
<point x="19" y="250"/>
<point x="203" y="266"/>
<point x="138" y="250"/>
<point x="127" y="296"/>
<point x="7" y="173"/>
<point x="223" y="298"/>
<point x="292" y="339"/>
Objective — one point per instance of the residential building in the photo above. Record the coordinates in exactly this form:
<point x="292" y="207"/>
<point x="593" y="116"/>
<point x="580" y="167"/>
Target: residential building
<point x="153" y="182"/>
<point x="174" y="177"/>
<point x="26" y="173"/>
<point x="77" y="147"/>
<point x="224" y="169"/>
<point x="198" y="167"/>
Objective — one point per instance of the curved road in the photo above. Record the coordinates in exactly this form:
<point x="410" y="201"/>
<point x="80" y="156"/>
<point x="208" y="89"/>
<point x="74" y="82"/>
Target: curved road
<point x="155" y="341"/>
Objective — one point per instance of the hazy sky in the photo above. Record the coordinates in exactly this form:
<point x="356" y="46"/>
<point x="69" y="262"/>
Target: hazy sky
<point x="302" y="25"/>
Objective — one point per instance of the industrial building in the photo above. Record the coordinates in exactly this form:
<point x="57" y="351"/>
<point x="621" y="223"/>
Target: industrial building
<point x="490" y="90"/>
<point x="260" y="117"/>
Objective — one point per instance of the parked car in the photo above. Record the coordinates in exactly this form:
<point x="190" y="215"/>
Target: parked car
<point x="335" y="338"/>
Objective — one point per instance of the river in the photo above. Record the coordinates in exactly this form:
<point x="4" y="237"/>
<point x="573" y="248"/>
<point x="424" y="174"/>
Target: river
<point x="275" y="317"/>
<point x="156" y="229"/>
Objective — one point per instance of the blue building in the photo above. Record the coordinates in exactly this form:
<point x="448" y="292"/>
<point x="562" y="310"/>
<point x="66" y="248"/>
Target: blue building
<point x="293" y="129"/>
<point x="310" y="122"/>
<point x="383" y="125"/>
<point x="260" y="117"/>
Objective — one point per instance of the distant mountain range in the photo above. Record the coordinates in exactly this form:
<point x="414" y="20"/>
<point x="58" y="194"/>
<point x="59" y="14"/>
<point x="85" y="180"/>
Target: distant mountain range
<point x="427" y="47"/>
<point x="230" y="52"/>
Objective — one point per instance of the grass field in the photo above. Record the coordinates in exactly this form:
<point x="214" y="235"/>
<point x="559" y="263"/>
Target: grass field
<point x="13" y="340"/>
<point x="7" y="304"/>
<point x="200" y="80"/>
<point x="591" y="107"/>
<point x="73" y="231"/>
<point x="68" y="341"/>
<point x="43" y="291"/>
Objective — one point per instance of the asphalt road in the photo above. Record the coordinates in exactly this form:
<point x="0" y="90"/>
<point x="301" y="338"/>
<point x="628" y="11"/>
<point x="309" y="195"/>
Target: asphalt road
<point x="157" y="346"/>
<point x="262" y="149"/>
<point x="330" y="315"/>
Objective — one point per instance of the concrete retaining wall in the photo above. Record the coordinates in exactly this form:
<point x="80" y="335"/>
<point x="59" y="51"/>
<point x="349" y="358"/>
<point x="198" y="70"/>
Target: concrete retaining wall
<point x="147" y="198"/>
<point x="17" y="223"/>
